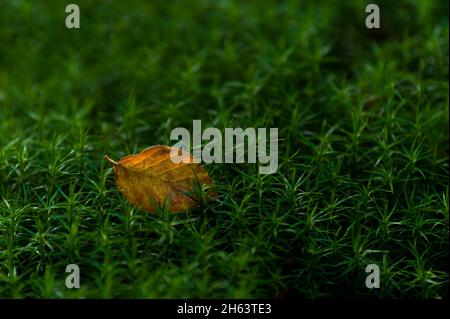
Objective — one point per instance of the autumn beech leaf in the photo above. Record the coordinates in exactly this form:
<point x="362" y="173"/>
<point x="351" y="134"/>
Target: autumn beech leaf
<point x="150" y="179"/>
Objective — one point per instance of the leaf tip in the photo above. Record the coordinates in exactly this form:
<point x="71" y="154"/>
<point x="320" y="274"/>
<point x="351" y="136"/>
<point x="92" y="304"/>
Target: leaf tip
<point x="109" y="159"/>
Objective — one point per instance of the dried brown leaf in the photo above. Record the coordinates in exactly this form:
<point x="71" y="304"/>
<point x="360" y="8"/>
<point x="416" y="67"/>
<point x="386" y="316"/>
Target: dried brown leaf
<point x="151" y="178"/>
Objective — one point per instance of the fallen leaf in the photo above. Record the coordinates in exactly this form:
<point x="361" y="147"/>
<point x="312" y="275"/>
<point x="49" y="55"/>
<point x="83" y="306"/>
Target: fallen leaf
<point x="150" y="178"/>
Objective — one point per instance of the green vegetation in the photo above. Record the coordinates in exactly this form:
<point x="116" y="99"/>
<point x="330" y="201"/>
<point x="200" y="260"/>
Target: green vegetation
<point x="363" y="127"/>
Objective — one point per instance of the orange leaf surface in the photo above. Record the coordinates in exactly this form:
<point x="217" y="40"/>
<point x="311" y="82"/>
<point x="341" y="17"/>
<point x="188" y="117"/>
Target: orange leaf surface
<point x="150" y="178"/>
